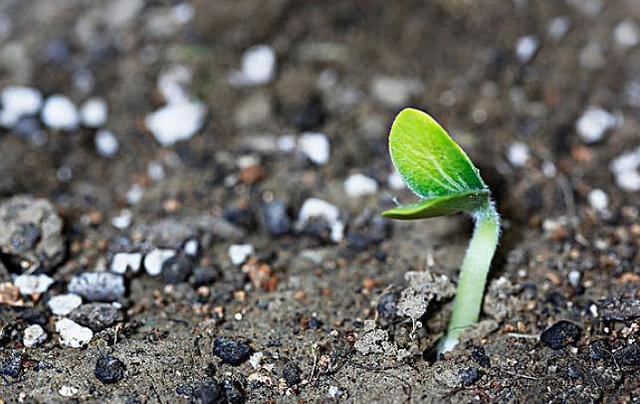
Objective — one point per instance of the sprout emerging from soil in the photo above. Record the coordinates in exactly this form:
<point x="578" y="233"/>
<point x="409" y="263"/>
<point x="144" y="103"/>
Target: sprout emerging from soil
<point x="438" y="170"/>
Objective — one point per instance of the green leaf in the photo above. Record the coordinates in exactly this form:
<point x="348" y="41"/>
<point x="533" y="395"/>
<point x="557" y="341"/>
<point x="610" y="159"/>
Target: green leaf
<point x="428" y="160"/>
<point x="467" y="201"/>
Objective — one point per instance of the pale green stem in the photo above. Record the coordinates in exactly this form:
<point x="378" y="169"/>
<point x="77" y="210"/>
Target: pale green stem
<point x="473" y="276"/>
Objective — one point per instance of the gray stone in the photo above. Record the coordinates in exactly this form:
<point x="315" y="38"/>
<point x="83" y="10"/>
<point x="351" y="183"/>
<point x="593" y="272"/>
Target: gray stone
<point x="97" y="316"/>
<point x="32" y="232"/>
<point x="98" y="286"/>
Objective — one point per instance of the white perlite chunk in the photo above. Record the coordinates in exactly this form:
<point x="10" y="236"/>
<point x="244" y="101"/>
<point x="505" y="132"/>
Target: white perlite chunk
<point x="314" y="207"/>
<point x="122" y="262"/>
<point x="598" y="199"/>
<point x="73" y="334"/>
<point x="106" y="143"/>
<point x="33" y="336"/>
<point x="18" y="101"/>
<point x="518" y="154"/>
<point x="60" y="113"/>
<point x="315" y="146"/>
<point x="625" y="169"/>
<point x="526" y="47"/>
<point x="395" y="91"/>
<point x="626" y="34"/>
<point x="360" y="185"/>
<point x="30" y="284"/>
<point x="172" y="83"/>
<point x="123" y="220"/>
<point x="155" y="259"/>
<point x="62" y="305"/>
<point x="176" y="122"/>
<point x="238" y="253"/>
<point x="94" y="112"/>
<point x="558" y="27"/>
<point x="192" y="247"/>
<point x="258" y="67"/>
<point x="594" y="123"/>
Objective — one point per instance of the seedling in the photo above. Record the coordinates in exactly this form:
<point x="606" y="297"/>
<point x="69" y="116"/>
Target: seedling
<point x="435" y="168"/>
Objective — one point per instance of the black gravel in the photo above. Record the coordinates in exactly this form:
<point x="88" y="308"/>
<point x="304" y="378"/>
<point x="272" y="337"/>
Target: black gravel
<point x="97" y="316"/>
<point x="204" y="276"/>
<point x="291" y="374"/>
<point x="275" y="218"/>
<point x="469" y="376"/>
<point x="628" y="356"/>
<point x="11" y="365"/>
<point x="561" y="334"/>
<point x="177" y="269"/>
<point x="208" y="392"/>
<point x="231" y="351"/>
<point x="109" y="370"/>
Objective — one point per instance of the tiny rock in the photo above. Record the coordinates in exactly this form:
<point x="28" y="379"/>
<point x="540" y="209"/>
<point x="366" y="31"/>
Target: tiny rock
<point x="314" y="207"/>
<point x="154" y="260"/>
<point x="62" y="305"/>
<point x="123" y="262"/>
<point x="11" y="365"/>
<point x="258" y="67"/>
<point x="109" y="369"/>
<point x="360" y="185"/>
<point x="17" y="102"/>
<point x="94" y="112"/>
<point x="60" y="113"/>
<point x="106" y="143"/>
<point x="97" y="316"/>
<point x="395" y="92"/>
<point x="98" y="286"/>
<point x="231" y="351"/>
<point x="560" y="335"/>
<point x="598" y="199"/>
<point x="72" y="334"/>
<point x="238" y="253"/>
<point x="176" y="122"/>
<point x="315" y="147"/>
<point x="626" y="34"/>
<point x="30" y="284"/>
<point x="518" y="154"/>
<point x="33" y="336"/>
<point x="594" y="123"/>
<point x="526" y="47"/>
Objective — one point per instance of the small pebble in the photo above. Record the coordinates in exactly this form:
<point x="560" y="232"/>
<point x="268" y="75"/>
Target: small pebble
<point x="626" y="34"/>
<point x="18" y="102"/>
<point x="68" y="391"/>
<point x="558" y="27"/>
<point x="109" y="369"/>
<point x="561" y="334"/>
<point x="11" y="365"/>
<point x="594" y="123"/>
<point x="155" y="171"/>
<point x="315" y="147"/>
<point x="591" y="57"/>
<point x="395" y="92"/>
<point x="176" y="122"/>
<point x="106" y="143"/>
<point x="73" y="334"/>
<point x="275" y="218"/>
<point x="154" y="260"/>
<point x="395" y="181"/>
<point x="238" y="253"/>
<point x="208" y="392"/>
<point x="598" y="199"/>
<point x="388" y="305"/>
<point x="314" y="207"/>
<point x="98" y="286"/>
<point x="204" y="276"/>
<point x="123" y="262"/>
<point x="291" y="374"/>
<point x="172" y="82"/>
<point x="518" y="154"/>
<point x="232" y="391"/>
<point x="470" y="375"/>
<point x="526" y="47"/>
<point x="574" y="278"/>
<point x="192" y="247"/>
<point x="628" y="355"/>
<point x="123" y="220"/>
<point x="61" y="305"/>
<point x="60" y="113"/>
<point x="177" y="269"/>
<point x="231" y="351"/>
<point x="34" y="335"/>
<point x="30" y="284"/>
<point x="94" y="112"/>
<point x="258" y="67"/>
<point x="97" y="316"/>
<point x="358" y="185"/>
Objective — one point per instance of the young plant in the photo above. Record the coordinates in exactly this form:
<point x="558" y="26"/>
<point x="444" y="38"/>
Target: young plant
<point x="435" y="168"/>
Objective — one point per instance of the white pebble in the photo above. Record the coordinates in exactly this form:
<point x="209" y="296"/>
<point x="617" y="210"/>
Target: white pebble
<point x="360" y="185"/>
<point x="61" y="305"/>
<point x="574" y="278"/>
<point x="258" y="67"/>
<point x="255" y="359"/>
<point x="73" y="334"/>
<point x="558" y="27"/>
<point x="286" y="143"/>
<point x="30" y="284"/>
<point x="155" y="259"/>
<point x="591" y="57"/>
<point x="155" y="170"/>
<point x="106" y="143"/>
<point x="395" y="181"/>
<point x="518" y="154"/>
<point x="123" y="220"/>
<point x="176" y="122"/>
<point x="598" y="199"/>
<point x="395" y="91"/>
<point x="18" y="101"/>
<point x="594" y="123"/>
<point x="33" y="336"/>
<point x="68" y="391"/>
<point x="526" y="47"/>
<point x="192" y="247"/>
<point x="135" y="194"/>
<point x="123" y="262"/>
<point x="315" y="146"/>
<point x="60" y="113"/>
<point x="549" y="169"/>
<point x="315" y="207"/>
<point x="172" y="82"/>
<point x="94" y="112"/>
<point x="626" y="34"/>
<point x="238" y="253"/>
<point x="628" y="181"/>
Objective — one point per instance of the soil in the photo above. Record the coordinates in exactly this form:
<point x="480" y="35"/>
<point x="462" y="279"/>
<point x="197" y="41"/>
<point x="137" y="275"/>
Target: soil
<point x="307" y="306"/>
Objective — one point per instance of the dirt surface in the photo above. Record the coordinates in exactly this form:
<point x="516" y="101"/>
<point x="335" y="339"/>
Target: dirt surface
<point x="317" y="313"/>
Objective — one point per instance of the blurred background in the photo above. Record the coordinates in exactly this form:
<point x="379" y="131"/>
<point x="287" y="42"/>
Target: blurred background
<point x="259" y="129"/>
